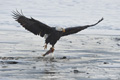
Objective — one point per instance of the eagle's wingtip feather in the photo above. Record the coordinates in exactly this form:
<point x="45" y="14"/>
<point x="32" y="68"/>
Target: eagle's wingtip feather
<point x="16" y="14"/>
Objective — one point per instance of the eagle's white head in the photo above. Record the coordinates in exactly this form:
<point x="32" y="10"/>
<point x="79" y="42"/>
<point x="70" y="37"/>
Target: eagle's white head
<point x="60" y="29"/>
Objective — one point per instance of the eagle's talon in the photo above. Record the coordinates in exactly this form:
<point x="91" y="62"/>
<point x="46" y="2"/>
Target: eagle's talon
<point x="49" y="51"/>
<point x="45" y="47"/>
<point x="52" y="49"/>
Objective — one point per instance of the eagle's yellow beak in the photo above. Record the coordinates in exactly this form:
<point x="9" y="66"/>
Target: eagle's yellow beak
<point x="63" y="30"/>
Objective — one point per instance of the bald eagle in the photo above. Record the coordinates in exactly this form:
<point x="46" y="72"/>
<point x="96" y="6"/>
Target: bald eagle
<point x="51" y="34"/>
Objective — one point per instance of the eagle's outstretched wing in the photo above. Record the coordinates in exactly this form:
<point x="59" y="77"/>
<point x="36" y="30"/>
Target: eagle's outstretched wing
<point x="32" y="25"/>
<point x="73" y="30"/>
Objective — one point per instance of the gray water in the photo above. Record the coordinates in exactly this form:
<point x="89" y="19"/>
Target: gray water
<point x="92" y="54"/>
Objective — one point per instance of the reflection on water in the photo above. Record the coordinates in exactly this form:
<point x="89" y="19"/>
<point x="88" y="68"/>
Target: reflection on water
<point x="97" y="59"/>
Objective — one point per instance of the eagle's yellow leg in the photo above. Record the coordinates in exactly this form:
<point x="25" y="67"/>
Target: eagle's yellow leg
<point x="45" y="47"/>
